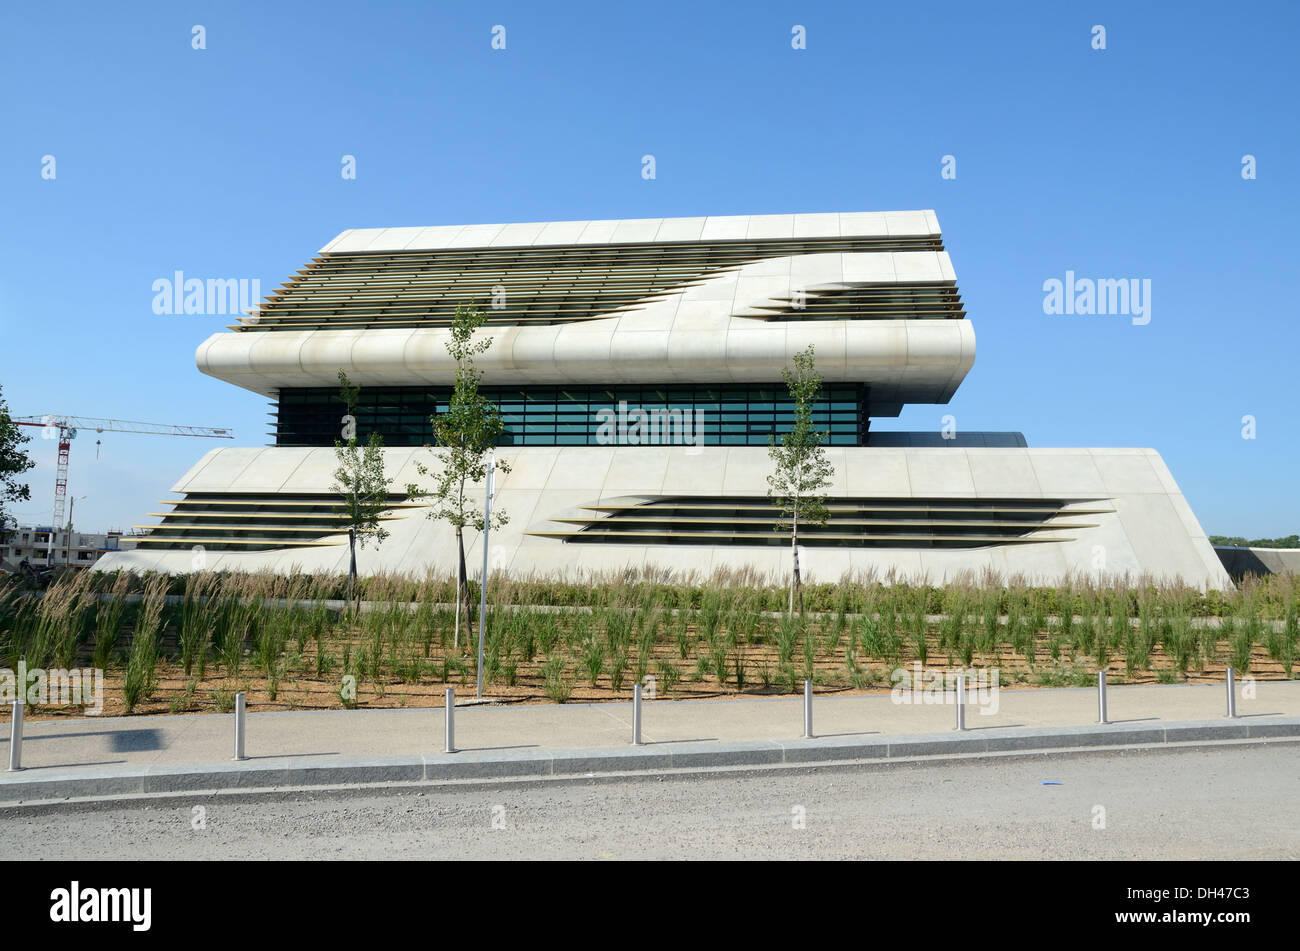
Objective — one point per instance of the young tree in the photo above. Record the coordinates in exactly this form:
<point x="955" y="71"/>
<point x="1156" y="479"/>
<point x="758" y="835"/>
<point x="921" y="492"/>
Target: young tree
<point x="802" y="469"/>
<point x="466" y="433"/>
<point x="14" y="461"/>
<point x="360" y="481"/>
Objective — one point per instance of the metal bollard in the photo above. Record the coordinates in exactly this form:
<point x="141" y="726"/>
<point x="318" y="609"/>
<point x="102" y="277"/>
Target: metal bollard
<point x="807" y="710"/>
<point x="239" y="727"/>
<point x="636" y="715"/>
<point x="16" y="738"/>
<point x="1101" y="697"/>
<point x="1232" y="695"/>
<point x="961" y="701"/>
<point x="450" y="700"/>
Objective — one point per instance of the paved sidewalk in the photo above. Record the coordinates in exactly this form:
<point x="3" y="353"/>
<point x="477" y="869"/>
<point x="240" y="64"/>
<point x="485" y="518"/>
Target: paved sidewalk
<point x="123" y="755"/>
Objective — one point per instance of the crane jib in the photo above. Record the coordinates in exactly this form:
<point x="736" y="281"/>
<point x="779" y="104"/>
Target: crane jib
<point x="65" y="428"/>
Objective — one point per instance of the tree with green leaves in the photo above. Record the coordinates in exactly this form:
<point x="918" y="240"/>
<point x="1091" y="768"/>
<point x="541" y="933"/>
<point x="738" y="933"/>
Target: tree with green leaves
<point x="802" y="470"/>
<point x="360" y="482"/>
<point x="14" y="461"/>
<point x="467" y="433"/>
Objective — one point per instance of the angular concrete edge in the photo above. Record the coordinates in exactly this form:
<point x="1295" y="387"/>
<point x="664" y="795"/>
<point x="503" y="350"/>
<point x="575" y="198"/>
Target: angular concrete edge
<point x="292" y="772"/>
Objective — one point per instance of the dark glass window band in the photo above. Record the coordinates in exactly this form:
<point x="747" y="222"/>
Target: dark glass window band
<point x="704" y="414"/>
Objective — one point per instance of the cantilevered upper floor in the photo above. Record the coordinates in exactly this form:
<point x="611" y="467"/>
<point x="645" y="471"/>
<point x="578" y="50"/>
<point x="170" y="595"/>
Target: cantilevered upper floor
<point x="725" y="300"/>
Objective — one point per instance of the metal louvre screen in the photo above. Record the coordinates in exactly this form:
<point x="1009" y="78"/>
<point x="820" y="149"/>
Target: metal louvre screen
<point x="891" y="302"/>
<point x="854" y="522"/>
<point x="252" y="522"/>
<point x="544" y="285"/>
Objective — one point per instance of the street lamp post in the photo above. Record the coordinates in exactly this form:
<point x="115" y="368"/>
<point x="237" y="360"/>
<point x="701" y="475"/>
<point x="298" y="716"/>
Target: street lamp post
<point x="67" y="540"/>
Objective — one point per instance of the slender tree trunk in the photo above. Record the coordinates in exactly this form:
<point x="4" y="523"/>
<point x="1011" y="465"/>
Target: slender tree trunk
<point x="464" y="593"/>
<point x="798" y="582"/>
<point x="794" y="556"/>
<point x="352" y="564"/>
<point x="352" y="536"/>
<point x="455" y="638"/>
<point x="462" y="587"/>
<point x="794" y="537"/>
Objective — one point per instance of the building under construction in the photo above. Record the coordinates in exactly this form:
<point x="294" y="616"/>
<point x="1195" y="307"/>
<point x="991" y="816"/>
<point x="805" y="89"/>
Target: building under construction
<point x="33" y="543"/>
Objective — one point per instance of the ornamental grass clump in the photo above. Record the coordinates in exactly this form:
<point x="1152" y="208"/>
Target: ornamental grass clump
<point x="1180" y="641"/>
<point x="667" y="676"/>
<point x="555" y="680"/>
<point x="141" y="678"/>
<point x="1242" y="645"/>
<point x="196" y="621"/>
<point x="644" y="653"/>
<point x="593" y="658"/>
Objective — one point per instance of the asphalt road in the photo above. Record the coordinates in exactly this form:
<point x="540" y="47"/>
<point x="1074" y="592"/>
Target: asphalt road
<point x="1225" y="802"/>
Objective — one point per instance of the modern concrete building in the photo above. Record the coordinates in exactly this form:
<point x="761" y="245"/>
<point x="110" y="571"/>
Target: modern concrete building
<point x="638" y="367"/>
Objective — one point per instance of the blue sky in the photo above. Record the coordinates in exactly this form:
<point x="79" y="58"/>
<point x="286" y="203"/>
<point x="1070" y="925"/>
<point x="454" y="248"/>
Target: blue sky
<point x="225" y="162"/>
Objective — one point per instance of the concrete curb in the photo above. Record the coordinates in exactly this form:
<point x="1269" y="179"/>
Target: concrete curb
<point x="291" y="772"/>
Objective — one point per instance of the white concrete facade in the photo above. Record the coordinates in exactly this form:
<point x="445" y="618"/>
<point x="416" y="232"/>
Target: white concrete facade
<point x="1120" y="511"/>
<point x="1151" y="532"/>
<point x="703" y="333"/>
<point x="539" y="234"/>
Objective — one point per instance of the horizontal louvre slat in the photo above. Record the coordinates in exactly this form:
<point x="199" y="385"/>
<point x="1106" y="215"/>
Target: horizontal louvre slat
<point x="243" y="521"/>
<point x="863" y="522"/>
<point x="553" y="284"/>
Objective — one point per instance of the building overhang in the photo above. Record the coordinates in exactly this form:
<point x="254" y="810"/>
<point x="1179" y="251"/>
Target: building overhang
<point x="901" y="361"/>
<point x="655" y="301"/>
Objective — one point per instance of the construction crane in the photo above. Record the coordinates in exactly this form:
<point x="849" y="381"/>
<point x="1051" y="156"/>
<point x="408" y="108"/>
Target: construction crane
<point x="65" y="428"/>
